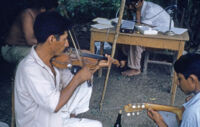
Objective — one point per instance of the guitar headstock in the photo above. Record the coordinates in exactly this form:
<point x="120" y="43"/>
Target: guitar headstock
<point x="134" y="109"/>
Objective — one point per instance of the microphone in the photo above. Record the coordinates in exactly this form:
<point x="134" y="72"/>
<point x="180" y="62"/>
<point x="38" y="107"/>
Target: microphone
<point x="170" y="8"/>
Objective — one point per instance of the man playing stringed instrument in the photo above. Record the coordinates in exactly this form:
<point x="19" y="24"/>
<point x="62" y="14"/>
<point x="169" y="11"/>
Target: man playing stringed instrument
<point x="188" y="72"/>
<point x="46" y="96"/>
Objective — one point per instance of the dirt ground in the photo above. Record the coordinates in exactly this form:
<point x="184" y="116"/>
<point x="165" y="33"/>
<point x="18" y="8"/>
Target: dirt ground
<point x="152" y="87"/>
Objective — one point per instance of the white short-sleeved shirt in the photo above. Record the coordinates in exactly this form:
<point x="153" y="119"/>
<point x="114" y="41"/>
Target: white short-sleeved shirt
<point x="37" y="92"/>
<point x="191" y="115"/>
<point x="155" y="15"/>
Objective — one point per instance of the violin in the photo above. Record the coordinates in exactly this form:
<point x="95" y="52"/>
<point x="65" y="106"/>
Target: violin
<point x="69" y="59"/>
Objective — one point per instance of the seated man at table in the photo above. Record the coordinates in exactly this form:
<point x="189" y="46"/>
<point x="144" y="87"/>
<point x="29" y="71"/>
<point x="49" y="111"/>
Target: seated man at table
<point x="188" y="72"/>
<point x="146" y="13"/>
<point x="46" y="96"/>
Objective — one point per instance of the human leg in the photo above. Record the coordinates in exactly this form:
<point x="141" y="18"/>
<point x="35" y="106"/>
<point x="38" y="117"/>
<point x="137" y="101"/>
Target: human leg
<point x="134" y="59"/>
<point x="79" y="101"/>
<point x="121" y="55"/>
<point x="14" y="54"/>
<point x="77" y="122"/>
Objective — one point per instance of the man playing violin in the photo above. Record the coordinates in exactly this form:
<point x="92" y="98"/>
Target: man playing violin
<point x="46" y="96"/>
<point x="188" y="72"/>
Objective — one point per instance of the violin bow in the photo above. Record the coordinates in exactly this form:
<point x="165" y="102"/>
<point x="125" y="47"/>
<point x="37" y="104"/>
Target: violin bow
<point x="76" y="50"/>
<point x="113" y="49"/>
<point x="78" y="53"/>
<point x="73" y="42"/>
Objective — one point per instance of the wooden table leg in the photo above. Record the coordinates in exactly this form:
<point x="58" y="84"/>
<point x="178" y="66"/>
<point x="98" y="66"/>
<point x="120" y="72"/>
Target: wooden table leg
<point x="101" y="53"/>
<point x="92" y="41"/>
<point x="92" y="50"/>
<point x="175" y="80"/>
<point x="173" y="88"/>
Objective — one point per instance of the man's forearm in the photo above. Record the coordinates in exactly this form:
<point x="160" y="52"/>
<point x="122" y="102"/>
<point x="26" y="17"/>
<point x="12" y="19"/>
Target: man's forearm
<point x="138" y="17"/>
<point x="67" y="92"/>
<point x="161" y="124"/>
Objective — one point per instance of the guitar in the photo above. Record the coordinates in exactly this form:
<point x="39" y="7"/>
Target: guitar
<point x="142" y="106"/>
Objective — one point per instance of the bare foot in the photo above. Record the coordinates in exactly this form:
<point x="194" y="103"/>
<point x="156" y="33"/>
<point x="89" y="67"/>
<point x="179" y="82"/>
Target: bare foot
<point x="131" y="72"/>
<point x="122" y="63"/>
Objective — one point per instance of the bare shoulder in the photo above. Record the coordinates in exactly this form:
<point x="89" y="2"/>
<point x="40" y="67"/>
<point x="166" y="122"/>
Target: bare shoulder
<point x="27" y="15"/>
<point x="26" y="12"/>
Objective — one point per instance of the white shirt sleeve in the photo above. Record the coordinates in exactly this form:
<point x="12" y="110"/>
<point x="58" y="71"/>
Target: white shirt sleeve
<point x="190" y="118"/>
<point x="155" y="15"/>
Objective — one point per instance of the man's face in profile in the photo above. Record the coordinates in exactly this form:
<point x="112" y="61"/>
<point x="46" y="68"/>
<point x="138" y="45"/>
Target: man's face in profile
<point x="130" y="5"/>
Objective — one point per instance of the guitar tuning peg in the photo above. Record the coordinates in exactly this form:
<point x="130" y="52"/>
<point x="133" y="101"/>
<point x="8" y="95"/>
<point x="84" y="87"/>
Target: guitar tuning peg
<point x="138" y="106"/>
<point x="143" y="106"/>
<point x="133" y="113"/>
<point x="128" y="114"/>
<point x="137" y="113"/>
<point x="133" y="106"/>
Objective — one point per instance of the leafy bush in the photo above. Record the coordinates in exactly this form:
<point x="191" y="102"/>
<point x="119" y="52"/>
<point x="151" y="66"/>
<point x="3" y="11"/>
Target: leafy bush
<point x="188" y="15"/>
<point x="86" y="10"/>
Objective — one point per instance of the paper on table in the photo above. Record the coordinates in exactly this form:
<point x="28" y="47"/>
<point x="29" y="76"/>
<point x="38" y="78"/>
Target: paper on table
<point x="115" y="20"/>
<point x="102" y="21"/>
<point x="179" y="30"/>
<point x="146" y="30"/>
<point x="101" y="26"/>
<point x="176" y="30"/>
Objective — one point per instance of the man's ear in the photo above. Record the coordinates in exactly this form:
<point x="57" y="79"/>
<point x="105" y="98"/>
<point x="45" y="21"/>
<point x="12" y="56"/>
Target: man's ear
<point x="51" y="39"/>
<point x="193" y="80"/>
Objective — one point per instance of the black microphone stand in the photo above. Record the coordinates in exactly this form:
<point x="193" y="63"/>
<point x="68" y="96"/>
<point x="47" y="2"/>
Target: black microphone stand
<point x="170" y="12"/>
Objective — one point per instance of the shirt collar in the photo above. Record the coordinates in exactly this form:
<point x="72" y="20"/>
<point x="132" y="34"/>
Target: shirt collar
<point x="192" y="100"/>
<point x="36" y="57"/>
<point x="39" y="61"/>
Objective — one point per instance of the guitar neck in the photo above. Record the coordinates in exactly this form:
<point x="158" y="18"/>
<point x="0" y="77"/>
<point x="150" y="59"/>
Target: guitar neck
<point x="177" y="110"/>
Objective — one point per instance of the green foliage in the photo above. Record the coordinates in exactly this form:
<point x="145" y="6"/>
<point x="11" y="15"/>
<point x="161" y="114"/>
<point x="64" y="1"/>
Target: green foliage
<point x="86" y="10"/>
<point x="188" y="15"/>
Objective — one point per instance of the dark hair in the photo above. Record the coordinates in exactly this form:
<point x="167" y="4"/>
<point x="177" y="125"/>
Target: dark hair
<point x="188" y="64"/>
<point x="49" y="23"/>
<point x="130" y="1"/>
<point x="47" y="4"/>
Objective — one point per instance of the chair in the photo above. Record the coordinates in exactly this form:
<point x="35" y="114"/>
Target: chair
<point x="147" y="59"/>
